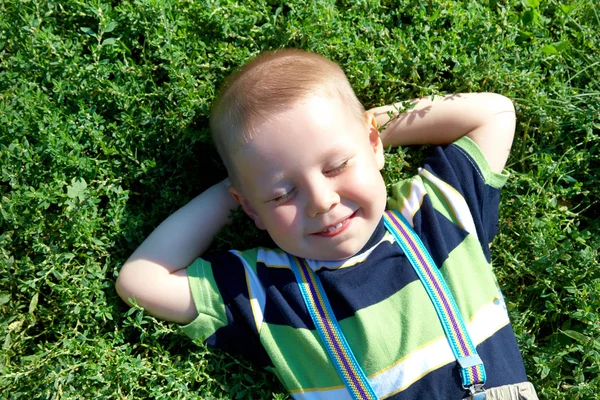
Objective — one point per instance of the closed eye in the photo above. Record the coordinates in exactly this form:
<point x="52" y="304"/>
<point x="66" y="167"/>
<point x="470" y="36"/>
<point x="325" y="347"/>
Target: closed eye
<point x="284" y="197"/>
<point x="337" y="169"/>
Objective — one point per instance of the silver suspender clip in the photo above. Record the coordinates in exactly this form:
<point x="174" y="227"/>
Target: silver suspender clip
<point x="477" y="392"/>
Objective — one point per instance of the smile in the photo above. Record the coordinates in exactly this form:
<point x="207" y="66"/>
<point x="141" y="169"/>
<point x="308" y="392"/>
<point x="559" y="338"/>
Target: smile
<point x="332" y="228"/>
<point x="337" y="228"/>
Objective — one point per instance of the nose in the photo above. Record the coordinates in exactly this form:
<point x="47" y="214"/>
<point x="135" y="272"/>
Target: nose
<point x="322" y="196"/>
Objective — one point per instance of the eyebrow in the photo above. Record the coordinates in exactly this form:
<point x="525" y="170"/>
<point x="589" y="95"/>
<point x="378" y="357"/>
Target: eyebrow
<point x="339" y="154"/>
<point x="276" y="179"/>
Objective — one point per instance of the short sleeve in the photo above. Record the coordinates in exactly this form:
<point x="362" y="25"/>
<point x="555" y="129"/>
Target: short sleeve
<point x="218" y="283"/>
<point x="456" y="187"/>
<point x="464" y="167"/>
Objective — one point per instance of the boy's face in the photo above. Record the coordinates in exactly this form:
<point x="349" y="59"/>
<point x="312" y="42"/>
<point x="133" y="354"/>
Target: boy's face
<point x="311" y="178"/>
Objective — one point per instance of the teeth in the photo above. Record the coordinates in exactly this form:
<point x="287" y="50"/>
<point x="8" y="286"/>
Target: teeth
<point x="333" y="228"/>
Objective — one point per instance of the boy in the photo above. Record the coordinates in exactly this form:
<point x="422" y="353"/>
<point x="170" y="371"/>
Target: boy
<point x="303" y="159"/>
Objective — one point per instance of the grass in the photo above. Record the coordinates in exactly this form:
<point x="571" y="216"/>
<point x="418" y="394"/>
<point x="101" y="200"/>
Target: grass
<point x="103" y="133"/>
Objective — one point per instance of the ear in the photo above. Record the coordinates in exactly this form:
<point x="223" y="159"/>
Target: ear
<point x="375" y="140"/>
<point x="246" y="206"/>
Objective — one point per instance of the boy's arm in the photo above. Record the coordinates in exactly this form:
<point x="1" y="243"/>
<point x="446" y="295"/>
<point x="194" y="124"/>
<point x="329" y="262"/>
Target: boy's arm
<point x="487" y="118"/>
<point x="155" y="275"/>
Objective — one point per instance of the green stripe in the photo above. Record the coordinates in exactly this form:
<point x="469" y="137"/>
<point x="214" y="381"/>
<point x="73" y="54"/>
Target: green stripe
<point x="389" y="338"/>
<point x="492" y="178"/>
<point x="207" y="299"/>
<point x="299" y="357"/>
<point x="469" y="277"/>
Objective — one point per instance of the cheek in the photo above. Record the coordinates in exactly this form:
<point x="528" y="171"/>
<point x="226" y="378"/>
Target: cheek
<point x="367" y="188"/>
<point x="365" y="180"/>
<point x="283" y="218"/>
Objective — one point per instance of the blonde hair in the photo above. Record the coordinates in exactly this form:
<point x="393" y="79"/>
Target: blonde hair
<point x="271" y="83"/>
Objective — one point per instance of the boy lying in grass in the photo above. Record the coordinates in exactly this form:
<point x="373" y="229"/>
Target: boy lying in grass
<point x="303" y="159"/>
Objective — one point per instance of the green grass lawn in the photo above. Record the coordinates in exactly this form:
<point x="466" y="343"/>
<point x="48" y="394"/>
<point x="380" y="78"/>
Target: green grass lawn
<point x="104" y="132"/>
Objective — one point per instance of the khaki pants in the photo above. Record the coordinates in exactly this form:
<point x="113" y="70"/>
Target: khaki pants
<point x="519" y="391"/>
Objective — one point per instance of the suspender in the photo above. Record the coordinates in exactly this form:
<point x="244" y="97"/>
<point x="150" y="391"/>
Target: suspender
<point x="471" y="367"/>
<point x="334" y="340"/>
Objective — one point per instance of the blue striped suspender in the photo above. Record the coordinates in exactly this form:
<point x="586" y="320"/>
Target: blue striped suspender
<point x="329" y="330"/>
<point x="471" y="367"/>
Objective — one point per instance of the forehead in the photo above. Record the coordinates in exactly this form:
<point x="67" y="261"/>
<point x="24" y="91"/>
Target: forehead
<point x="316" y="118"/>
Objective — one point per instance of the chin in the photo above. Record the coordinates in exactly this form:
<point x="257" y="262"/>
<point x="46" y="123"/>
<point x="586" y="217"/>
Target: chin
<point x="342" y="253"/>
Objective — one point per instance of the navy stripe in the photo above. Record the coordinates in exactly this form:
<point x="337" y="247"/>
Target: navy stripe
<point x="284" y="305"/>
<point x="239" y="336"/>
<point x="455" y="167"/>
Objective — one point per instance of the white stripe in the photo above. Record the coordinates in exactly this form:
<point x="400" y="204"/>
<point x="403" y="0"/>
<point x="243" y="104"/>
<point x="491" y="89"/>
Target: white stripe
<point x="256" y="291"/>
<point x="488" y="320"/>
<point x="318" y="264"/>
<point x="413" y="202"/>
<point x="455" y="201"/>
<point x="273" y="258"/>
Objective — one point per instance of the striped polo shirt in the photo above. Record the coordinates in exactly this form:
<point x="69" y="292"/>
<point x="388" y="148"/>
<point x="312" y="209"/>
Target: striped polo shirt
<point x="249" y="302"/>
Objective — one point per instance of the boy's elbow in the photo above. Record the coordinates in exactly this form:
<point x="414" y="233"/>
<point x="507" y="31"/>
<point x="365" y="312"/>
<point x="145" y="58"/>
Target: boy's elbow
<point x="162" y="294"/>
<point x="498" y="112"/>
<point x="505" y="117"/>
<point x="129" y="284"/>
<point x="501" y="104"/>
<point x="123" y="286"/>
<point x="495" y="133"/>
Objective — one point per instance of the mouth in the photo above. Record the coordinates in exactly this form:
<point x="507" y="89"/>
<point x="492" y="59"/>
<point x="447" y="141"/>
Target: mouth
<point x="337" y="228"/>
